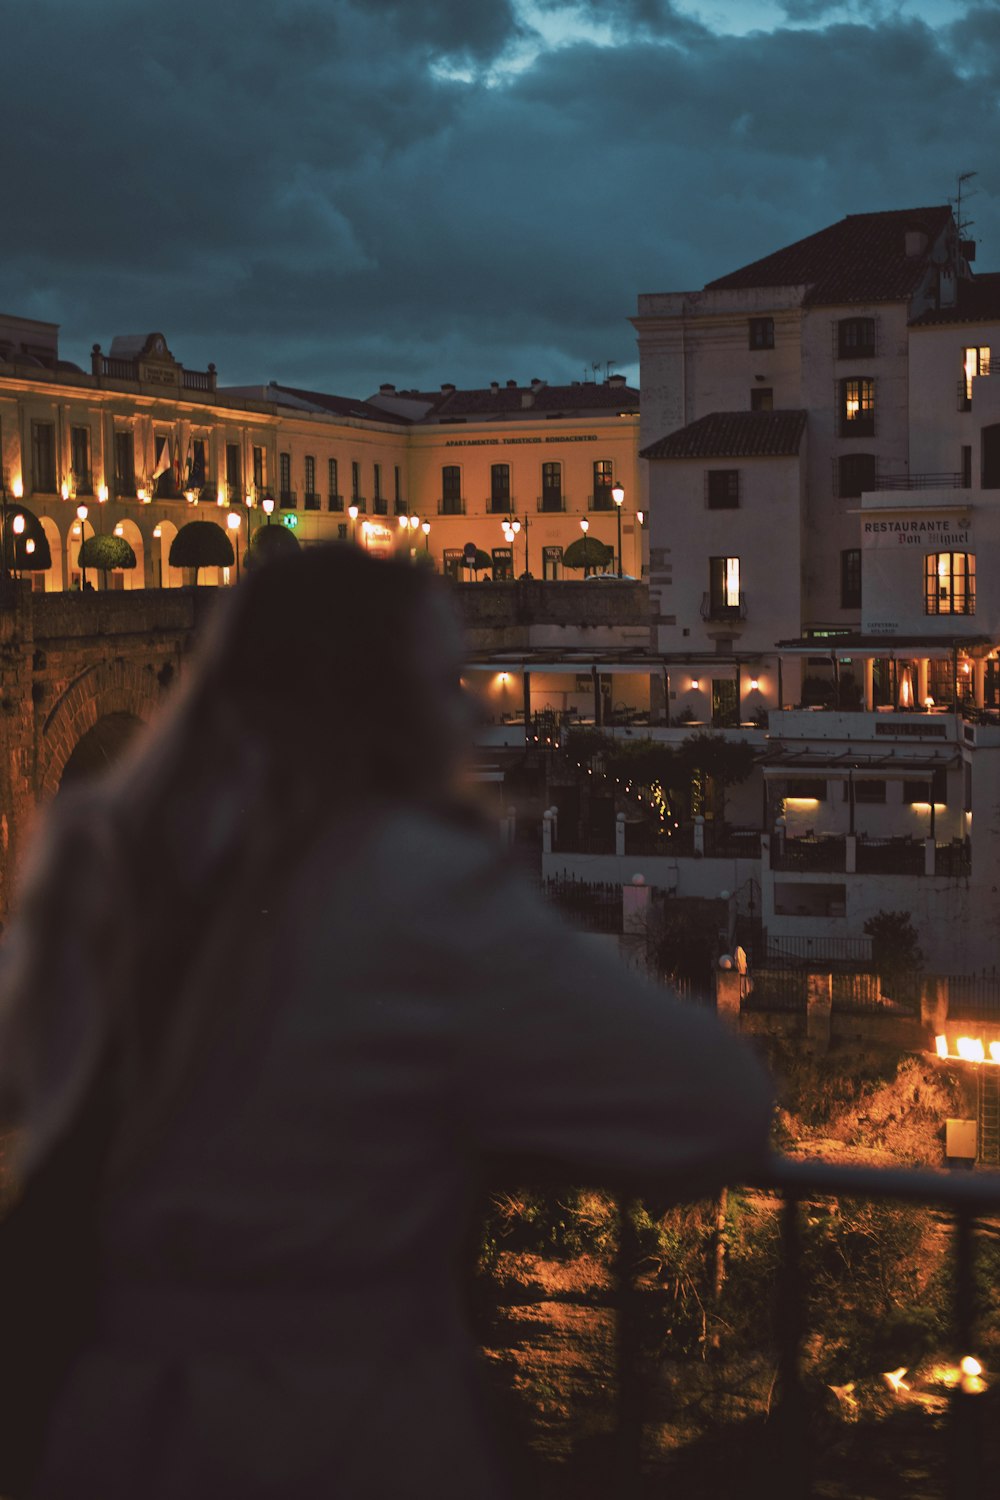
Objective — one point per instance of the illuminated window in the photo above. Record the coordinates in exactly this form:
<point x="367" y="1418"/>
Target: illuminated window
<point x="499" y="488"/>
<point x="975" y="361"/>
<point x="723" y="489"/>
<point x="950" y="583"/>
<point x="857" y="406"/>
<point x="603" y="480"/>
<point x="761" y="333"/>
<point x="855" y="474"/>
<point x="855" y="336"/>
<point x="762" y="398"/>
<point x="724" y="597"/>
<point x="451" y="490"/>
<point x="850" y="578"/>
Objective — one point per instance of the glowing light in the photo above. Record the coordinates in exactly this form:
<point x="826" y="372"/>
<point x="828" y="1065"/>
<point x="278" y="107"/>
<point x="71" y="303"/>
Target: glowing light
<point x="972" y="1381"/>
<point x="414" y="522"/>
<point x="585" y="525"/>
<point x="966" y="668"/>
<point x="894" y="1380"/>
<point x="17" y="488"/>
<point x="995" y="1052"/>
<point x="970" y="1366"/>
<point x="403" y="523"/>
<point x="928" y="702"/>
<point x="640" y="516"/>
<point x="220" y="496"/>
<point x="503" y="678"/>
<point x="29" y="545"/>
<point x="82" y="512"/>
<point x="941" y="1046"/>
<point x="102" y="494"/>
<point x="695" y="684"/>
<point x="64" y="489"/>
<point x="970" y="1049"/>
<point x="267" y="504"/>
<point x="425" y="527"/>
<point x="75" y="529"/>
<point x="802" y="801"/>
<point x="618" y="492"/>
<point x="18" y="524"/>
<point x="119" y="529"/>
<point x="754" y="684"/>
<point x="144" y="495"/>
<point x="352" y="511"/>
<point x="191" y="497"/>
<point x="157" y="533"/>
<point x="234" y="520"/>
<point x="248" y="499"/>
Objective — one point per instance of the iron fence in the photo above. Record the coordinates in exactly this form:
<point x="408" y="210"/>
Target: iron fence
<point x="595" y="907"/>
<point x="813" y="854"/>
<point x="891" y="856"/>
<point x="799" y="1191"/>
<point x="973" y="997"/>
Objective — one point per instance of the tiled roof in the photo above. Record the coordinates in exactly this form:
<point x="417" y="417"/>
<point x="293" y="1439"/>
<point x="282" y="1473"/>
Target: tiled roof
<point x="734" y="434"/>
<point x="862" y="258"/>
<point x="978" y="302"/>
<point x="342" y="406"/>
<point x="513" y="401"/>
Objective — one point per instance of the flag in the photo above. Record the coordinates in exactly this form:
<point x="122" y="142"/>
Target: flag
<point x="163" y="463"/>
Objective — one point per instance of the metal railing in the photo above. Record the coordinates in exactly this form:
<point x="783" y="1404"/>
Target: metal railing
<point x="551" y="502"/>
<point x="789" y="1449"/>
<point x="919" y="482"/>
<point x="713" y="608"/>
<point x="814" y="854"/>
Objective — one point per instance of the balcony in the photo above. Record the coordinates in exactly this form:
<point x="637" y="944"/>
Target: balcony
<point x="718" y="609"/>
<point x="551" y="502"/>
<point x="380" y="505"/>
<point x="601" y="500"/>
<point x="500" y="505"/>
<point x="920" y="482"/>
<point x="287" y="499"/>
<point x="81" y="482"/>
<point x="335" y="502"/>
<point x="637" y="1405"/>
<point x="312" y="500"/>
<point x="451" y="505"/>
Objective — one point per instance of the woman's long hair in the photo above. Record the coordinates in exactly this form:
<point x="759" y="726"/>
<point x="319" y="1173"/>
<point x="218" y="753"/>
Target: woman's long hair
<point x="309" y="700"/>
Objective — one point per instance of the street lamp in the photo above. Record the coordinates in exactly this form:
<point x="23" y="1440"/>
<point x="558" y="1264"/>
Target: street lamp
<point x="82" y="513"/>
<point x="233" y="522"/>
<point x="425" y="527"/>
<point x="352" y="511"/>
<point x="267" y="506"/>
<point x="640" y="517"/>
<point x="618" y="496"/>
<point x="511" y="526"/>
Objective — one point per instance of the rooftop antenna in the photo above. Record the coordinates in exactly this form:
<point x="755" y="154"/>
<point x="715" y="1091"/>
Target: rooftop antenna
<point x="963" y="225"/>
<point x="609" y="365"/>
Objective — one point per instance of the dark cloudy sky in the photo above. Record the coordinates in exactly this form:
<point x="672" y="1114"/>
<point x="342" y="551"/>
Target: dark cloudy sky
<point x="339" y="192"/>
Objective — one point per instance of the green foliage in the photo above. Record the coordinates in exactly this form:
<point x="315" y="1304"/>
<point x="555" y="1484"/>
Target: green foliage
<point x="106" y="551"/>
<point x="269" y="542"/>
<point x="201" y="544"/>
<point x="684" y="946"/>
<point x="588" y="552"/>
<point x="895" y="950"/>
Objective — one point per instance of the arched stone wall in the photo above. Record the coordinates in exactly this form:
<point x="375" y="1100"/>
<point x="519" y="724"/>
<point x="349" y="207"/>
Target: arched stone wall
<point x="112" y="687"/>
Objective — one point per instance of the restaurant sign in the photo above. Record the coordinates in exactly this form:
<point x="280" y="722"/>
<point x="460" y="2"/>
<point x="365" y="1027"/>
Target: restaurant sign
<point x="923" y="529"/>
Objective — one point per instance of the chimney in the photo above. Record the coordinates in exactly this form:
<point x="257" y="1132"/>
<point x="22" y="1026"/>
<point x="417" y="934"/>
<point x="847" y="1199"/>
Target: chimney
<point x="617" y="382"/>
<point x="447" y="386"/>
<point x="512" y="385"/>
<point x="387" y="389"/>
<point x="968" y="249"/>
<point x="494" y="388"/>
<point x="916" y="242"/>
<point x="536" y="383"/>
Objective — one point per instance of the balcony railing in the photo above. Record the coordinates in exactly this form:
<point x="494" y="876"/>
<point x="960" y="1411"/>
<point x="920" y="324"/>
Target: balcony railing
<point x="198" y="380"/>
<point x="500" y="505"/>
<point x="814" y="854"/>
<point x="82" y="481"/>
<point x="451" y="505"/>
<point x="600" y="500"/>
<point x="552" y="501"/>
<point x="714" y="608"/>
<point x="919" y="482"/>
<point x="334" y="502"/>
<point x="380" y="505"/>
<point x="312" y="500"/>
<point x="792" y="1428"/>
<point x="287" y="499"/>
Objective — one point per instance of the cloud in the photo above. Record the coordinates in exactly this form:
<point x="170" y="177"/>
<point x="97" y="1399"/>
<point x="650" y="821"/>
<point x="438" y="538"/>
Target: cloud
<point x="298" y="192"/>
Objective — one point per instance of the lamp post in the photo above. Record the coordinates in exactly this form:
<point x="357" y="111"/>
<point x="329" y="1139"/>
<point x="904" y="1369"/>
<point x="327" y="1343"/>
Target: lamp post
<point x="352" y="511"/>
<point x="233" y="522"/>
<point x="618" y="496"/>
<point x="267" y="506"/>
<point x="82" y="513"/>
<point x="157" y="534"/>
<point x="511" y="526"/>
<point x="18" y="529"/>
<point x="640" y="517"/>
<point x="425" y="527"/>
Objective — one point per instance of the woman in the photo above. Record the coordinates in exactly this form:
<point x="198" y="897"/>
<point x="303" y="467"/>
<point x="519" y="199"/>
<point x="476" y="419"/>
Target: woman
<point x="314" y="1002"/>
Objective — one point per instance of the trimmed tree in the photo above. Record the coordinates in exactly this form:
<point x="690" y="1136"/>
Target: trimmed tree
<point x="712" y="756"/>
<point x="588" y="553"/>
<point x="268" y="542"/>
<point x="106" y="552"/>
<point x="201" y="544"/>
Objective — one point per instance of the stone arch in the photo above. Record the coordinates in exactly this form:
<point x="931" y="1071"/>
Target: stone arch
<point x="133" y="578"/>
<point x="111" y="689"/>
<point x="78" y="531"/>
<point x="165" y="577"/>
<point x="57" y="547"/>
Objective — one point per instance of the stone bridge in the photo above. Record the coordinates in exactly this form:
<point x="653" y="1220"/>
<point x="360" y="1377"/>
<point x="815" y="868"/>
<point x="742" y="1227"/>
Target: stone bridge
<point x="78" y="672"/>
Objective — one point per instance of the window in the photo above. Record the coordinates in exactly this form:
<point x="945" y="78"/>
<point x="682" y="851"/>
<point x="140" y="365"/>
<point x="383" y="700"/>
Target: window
<point x="990" y="457"/>
<point x="311" y="499"/>
<point x="380" y="504"/>
<point x="551" y="563"/>
<point x="966" y="466"/>
<point x="234" y="473"/>
<point x="935" y="789"/>
<point x="850" y="578"/>
<point x="165" y="487"/>
<point x="79" y="449"/>
<point x="355" y="480"/>
<point x="334" y="499"/>
<point x="285" y="495"/>
<point x="855" y="474"/>
<point x="499" y="488"/>
<point x="398" y="503"/>
<point x="762" y="398"/>
<point x="866" y="789"/>
<point x="125" y="463"/>
<point x="975" y="361"/>
<point x="724" y="596"/>
<point x="258" y="468"/>
<point x="856" y="337"/>
<point x="857" y="406"/>
<point x="603" y="480"/>
<point x="761" y="333"/>
<point x="503" y="564"/>
<point x="198" y="470"/>
<point x="950" y="583"/>
<point x="451" y="490"/>
<point x="723" y="489"/>
<point x="552" y="496"/>
<point x="43" y="458"/>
